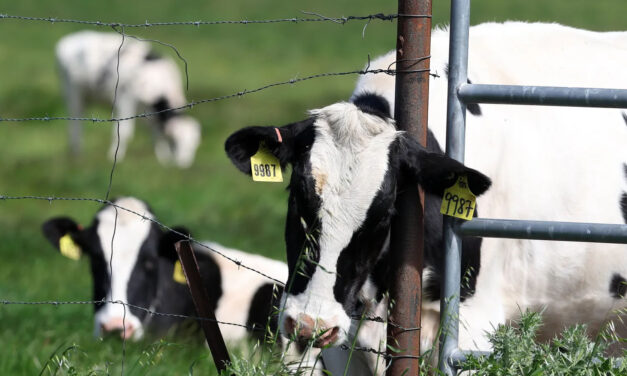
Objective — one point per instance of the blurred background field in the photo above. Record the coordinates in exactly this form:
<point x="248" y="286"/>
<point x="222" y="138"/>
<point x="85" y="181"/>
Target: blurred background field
<point x="211" y="198"/>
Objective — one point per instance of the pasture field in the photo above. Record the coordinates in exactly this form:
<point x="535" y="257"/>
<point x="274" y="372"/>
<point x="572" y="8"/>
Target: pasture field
<point x="211" y="198"/>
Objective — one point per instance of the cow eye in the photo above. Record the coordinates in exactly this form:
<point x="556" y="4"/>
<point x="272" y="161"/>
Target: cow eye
<point x="149" y="265"/>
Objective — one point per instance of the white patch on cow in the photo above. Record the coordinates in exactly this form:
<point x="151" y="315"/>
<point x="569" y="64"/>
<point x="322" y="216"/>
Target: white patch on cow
<point x="351" y="152"/>
<point x="130" y="233"/>
<point x="239" y="285"/>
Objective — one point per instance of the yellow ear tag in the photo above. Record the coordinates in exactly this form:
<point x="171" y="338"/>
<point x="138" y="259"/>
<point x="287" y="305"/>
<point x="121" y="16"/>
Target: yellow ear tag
<point x="69" y="248"/>
<point x="178" y="275"/>
<point x="264" y="166"/>
<point x="458" y="201"/>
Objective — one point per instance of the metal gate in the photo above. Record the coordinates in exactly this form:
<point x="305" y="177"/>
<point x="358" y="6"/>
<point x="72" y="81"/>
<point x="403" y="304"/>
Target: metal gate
<point x="461" y="93"/>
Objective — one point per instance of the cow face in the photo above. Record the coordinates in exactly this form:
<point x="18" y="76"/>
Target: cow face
<point x="123" y="267"/>
<point x="346" y="160"/>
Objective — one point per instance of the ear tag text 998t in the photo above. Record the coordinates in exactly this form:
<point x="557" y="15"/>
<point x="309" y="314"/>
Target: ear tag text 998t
<point x="458" y="201"/>
<point x="264" y="166"/>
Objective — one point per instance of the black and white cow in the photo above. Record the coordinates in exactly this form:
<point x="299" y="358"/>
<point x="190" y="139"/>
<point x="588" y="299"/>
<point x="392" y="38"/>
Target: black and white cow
<point x="142" y="258"/>
<point x="88" y="66"/>
<point x="547" y="163"/>
<point x="347" y="160"/>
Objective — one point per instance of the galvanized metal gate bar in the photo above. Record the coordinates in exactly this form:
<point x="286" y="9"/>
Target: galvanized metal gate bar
<point x="459" y="94"/>
<point x="543" y="95"/>
<point x="544" y="230"/>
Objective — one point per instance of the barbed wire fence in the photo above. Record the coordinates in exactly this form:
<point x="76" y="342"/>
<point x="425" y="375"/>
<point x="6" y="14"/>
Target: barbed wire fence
<point x="120" y="28"/>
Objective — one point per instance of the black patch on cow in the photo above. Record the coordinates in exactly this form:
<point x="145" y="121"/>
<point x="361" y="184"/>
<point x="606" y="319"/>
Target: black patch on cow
<point x="89" y="241"/>
<point x="152" y="55"/>
<point x="373" y="104"/>
<point x="623" y="206"/>
<point x="473" y="108"/>
<point x="160" y="106"/>
<point x="358" y="260"/>
<point x="141" y="287"/>
<point x="296" y="141"/>
<point x="174" y="297"/>
<point x="303" y="251"/>
<point x="618" y="286"/>
<point x="263" y="311"/>
<point x="625" y="117"/>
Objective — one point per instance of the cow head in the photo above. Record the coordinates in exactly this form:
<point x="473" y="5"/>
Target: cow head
<point x="124" y="267"/>
<point x="347" y="160"/>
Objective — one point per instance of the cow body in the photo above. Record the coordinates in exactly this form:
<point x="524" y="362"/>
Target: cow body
<point x="90" y="68"/>
<point x="548" y="164"/>
<point x="137" y="269"/>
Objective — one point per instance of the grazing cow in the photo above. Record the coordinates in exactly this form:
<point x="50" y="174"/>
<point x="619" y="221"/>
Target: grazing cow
<point x="566" y="164"/>
<point x="347" y="160"/>
<point x="142" y="258"/>
<point x="90" y="68"/>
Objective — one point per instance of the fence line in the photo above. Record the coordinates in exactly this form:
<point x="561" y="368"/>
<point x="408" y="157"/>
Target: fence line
<point x="120" y="28"/>
<point x="239" y="94"/>
<point x="320" y="18"/>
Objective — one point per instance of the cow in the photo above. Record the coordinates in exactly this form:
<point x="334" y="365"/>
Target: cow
<point x="142" y="258"/>
<point x="547" y="164"/>
<point x="96" y="65"/>
<point x="577" y="156"/>
<point x="347" y="160"/>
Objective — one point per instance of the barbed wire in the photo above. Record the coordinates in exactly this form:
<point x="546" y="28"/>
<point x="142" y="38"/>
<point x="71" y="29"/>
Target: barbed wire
<point x="119" y="27"/>
<point x="163" y="314"/>
<point x="50" y="199"/>
<point x="128" y="305"/>
<point x="320" y="18"/>
<point x="239" y="94"/>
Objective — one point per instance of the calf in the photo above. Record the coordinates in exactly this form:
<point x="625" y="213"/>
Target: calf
<point x="347" y="161"/>
<point x="136" y="267"/>
<point x="92" y="65"/>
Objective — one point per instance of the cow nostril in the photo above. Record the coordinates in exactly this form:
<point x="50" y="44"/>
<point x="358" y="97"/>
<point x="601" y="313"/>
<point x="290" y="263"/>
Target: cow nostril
<point x="289" y="326"/>
<point x="327" y="337"/>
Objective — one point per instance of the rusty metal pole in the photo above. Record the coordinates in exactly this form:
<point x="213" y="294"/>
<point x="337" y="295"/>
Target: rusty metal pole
<point x="203" y="308"/>
<point x="412" y="98"/>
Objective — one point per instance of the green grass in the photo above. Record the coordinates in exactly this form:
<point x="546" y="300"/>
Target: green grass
<point x="211" y="198"/>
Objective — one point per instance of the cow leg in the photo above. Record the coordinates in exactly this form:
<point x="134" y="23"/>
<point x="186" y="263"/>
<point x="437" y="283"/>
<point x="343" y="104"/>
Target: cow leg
<point x="125" y="107"/>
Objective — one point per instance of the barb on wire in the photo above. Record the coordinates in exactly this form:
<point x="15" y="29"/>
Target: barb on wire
<point x="146" y="24"/>
<point x="215" y="99"/>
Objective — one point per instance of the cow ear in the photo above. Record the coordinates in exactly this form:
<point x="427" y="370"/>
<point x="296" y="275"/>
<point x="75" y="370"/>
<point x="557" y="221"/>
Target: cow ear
<point x="283" y="142"/>
<point x="167" y="241"/>
<point x="64" y="234"/>
<point x="435" y="171"/>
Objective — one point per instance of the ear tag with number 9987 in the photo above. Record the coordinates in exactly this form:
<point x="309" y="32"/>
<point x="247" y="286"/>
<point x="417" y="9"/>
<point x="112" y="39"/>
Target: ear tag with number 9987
<point x="264" y="166"/>
<point x="458" y="201"/>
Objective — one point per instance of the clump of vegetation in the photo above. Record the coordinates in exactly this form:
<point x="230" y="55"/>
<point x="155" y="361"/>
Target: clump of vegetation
<point x="516" y="352"/>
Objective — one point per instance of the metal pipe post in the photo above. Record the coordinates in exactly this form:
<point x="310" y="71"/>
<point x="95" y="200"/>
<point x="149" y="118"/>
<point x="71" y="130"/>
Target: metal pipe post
<point x="455" y="139"/>
<point x="203" y="308"/>
<point x="412" y="100"/>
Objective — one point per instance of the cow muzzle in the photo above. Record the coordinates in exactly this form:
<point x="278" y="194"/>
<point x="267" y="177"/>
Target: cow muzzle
<point x="118" y="324"/>
<point x="306" y="330"/>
